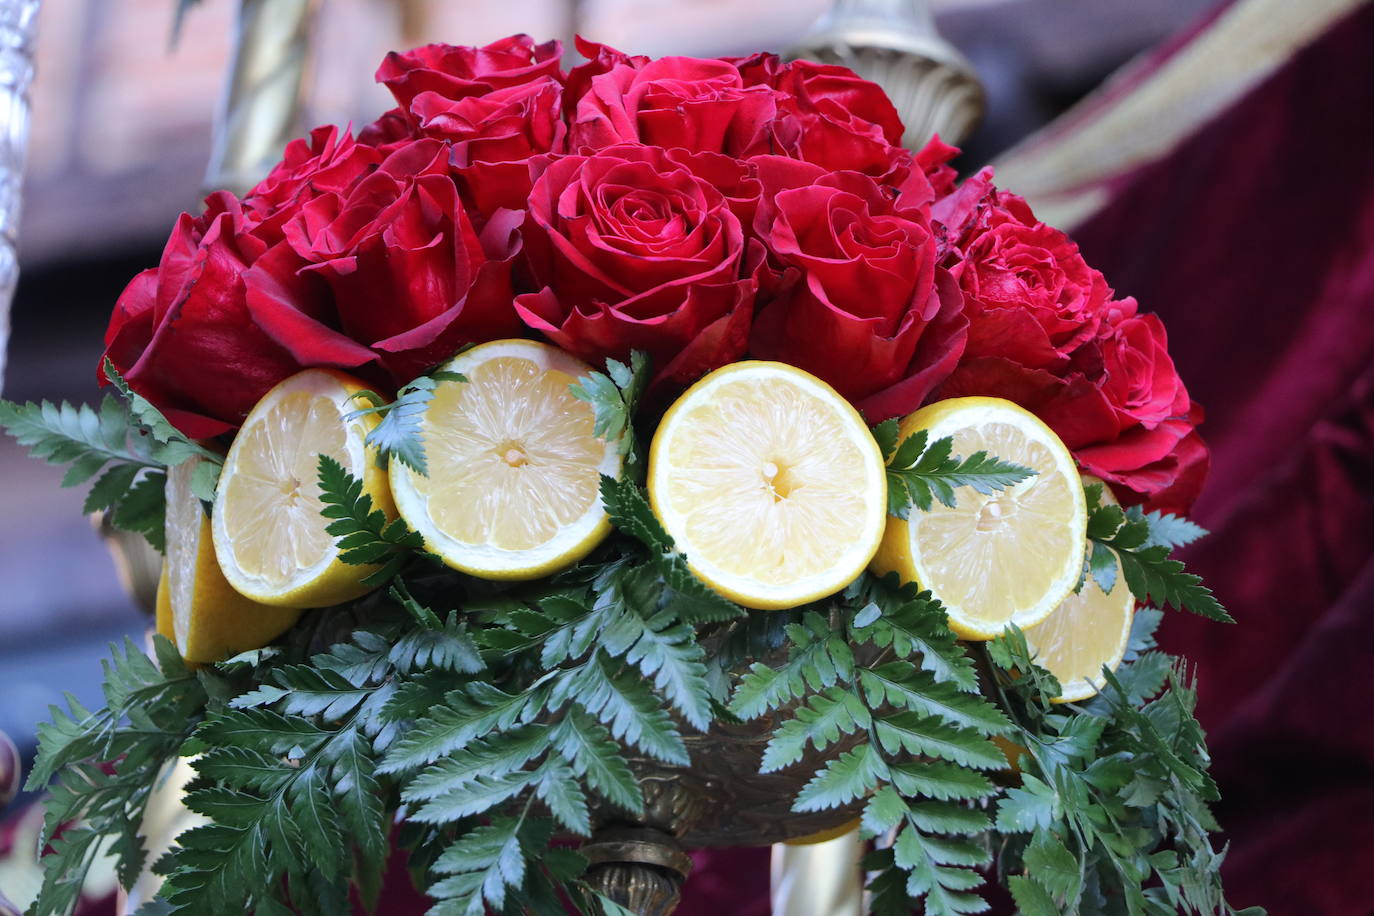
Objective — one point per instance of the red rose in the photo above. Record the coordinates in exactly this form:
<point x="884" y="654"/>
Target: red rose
<point x="494" y="136"/>
<point x="866" y="308"/>
<point x="330" y="161"/>
<point x="833" y="118"/>
<point x="675" y="102"/>
<point x="633" y="249"/>
<point x="1117" y="403"/>
<point x="390" y="132"/>
<point x="1029" y="295"/>
<point x="182" y="334"/>
<point x="411" y="279"/>
<point x="458" y="72"/>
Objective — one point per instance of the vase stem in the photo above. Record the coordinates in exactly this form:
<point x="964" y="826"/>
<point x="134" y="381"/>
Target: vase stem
<point x="640" y="868"/>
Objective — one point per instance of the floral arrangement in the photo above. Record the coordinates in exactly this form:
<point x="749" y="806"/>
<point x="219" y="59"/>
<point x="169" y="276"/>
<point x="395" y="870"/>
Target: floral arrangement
<point x="684" y="225"/>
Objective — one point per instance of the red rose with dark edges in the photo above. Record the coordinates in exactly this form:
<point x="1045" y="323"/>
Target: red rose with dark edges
<point x="632" y="248"/>
<point x="1029" y="295"/>
<point x="459" y="72"/>
<point x="494" y="136"/>
<point x="412" y="280"/>
<point x="329" y="161"/>
<point x="865" y="306"/>
<point x="182" y="333"/>
<point x="831" y="117"/>
<point x="674" y="102"/>
<point x="393" y="130"/>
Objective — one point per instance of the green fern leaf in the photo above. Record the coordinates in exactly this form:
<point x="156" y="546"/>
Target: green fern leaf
<point x="588" y="747"/>
<point x="843" y="779"/>
<point x="824" y="718"/>
<point x="903" y="686"/>
<point x="626" y="706"/>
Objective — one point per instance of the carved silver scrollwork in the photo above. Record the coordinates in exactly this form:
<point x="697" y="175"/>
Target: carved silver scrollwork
<point x="18" y="20"/>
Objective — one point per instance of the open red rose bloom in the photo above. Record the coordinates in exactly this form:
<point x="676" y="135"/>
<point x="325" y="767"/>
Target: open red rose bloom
<point x="703" y="211"/>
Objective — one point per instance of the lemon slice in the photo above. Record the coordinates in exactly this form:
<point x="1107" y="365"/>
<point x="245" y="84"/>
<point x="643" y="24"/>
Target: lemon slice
<point x="1086" y="632"/>
<point x="197" y="608"/>
<point x="770" y="483"/>
<point x="514" y="483"/>
<point x="269" y="534"/>
<point x="1010" y="557"/>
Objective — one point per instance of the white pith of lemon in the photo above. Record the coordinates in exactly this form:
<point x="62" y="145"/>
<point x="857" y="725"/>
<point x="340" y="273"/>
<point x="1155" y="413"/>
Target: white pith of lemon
<point x="994" y="560"/>
<point x="269" y="535"/>
<point x="770" y="483"/>
<point x="197" y="608"/>
<point x="514" y="483"/>
<point x="1089" y="630"/>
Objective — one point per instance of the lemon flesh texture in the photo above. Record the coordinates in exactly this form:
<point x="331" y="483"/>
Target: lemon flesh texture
<point x="514" y="483"/>
<point x="197" y="608"/>
<point x="770" y="483"/>
<point x="1088" y="631"/>
<point x="1006" y="558"/>
<point x="269" y="534"/>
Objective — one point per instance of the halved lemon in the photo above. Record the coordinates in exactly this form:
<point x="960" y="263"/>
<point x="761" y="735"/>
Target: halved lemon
<point x="197" y="608"/>
<point x="514" y="483"/>
<point x="1088" y="631"/>
<point x="1010" y="557"/>
<point x="269" y="534"/>
<point x="770" y="483"/>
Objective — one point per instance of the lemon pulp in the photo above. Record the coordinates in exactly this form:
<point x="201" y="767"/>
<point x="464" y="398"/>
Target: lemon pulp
<point x="1088" y="631"/>
<point x="771" y="484"/>
<point x="268" y="529"/>
<point x="1006" y="557"/>
<point x="513" y="489"/>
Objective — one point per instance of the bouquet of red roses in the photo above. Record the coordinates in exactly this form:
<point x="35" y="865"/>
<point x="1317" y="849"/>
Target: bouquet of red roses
<point x="451" y="574"/>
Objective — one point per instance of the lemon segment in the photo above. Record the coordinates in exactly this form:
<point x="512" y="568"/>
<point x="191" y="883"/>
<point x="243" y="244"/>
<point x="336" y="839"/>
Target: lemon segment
<point x="514" y="483"/>
<point x="269" y="534"/>
<point x="1006" y="558"/>
<point x="770" y="483"/>
<point x="1088" y="631"/>
<point x="197" y="608"/>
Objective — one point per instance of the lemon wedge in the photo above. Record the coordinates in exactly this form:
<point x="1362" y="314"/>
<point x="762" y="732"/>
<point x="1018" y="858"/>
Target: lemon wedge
<point x="269" y="535"/>
<point x="197" y="608"/>
<point x="514" y="483"/>
<point x="770" y="483"/>
<point x="994" y="560"/>
<point x="1088" y="631"/>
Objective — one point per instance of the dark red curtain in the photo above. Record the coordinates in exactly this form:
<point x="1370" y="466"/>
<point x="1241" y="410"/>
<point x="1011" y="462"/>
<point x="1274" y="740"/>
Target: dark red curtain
<point x="1255" y="243"/>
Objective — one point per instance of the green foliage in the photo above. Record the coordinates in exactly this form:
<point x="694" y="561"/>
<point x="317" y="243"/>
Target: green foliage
<point x="365" y="536"/>
<point x="107" y="764"/>
<point x="498" y="715"/>
<point x="122" y="447"/>
<point x="1112" y="795"/>
<point x="920" y="472"/>
<point x="1142" y="542"/>
<point x="614" y="396"/>
<point x="399" y="434"/>
<point x="911" y="731"/>
<point x="630" y="512"/>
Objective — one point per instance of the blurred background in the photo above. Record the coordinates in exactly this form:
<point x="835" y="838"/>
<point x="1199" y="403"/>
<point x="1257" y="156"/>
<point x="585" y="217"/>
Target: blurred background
<point x="1235" y="201"/>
